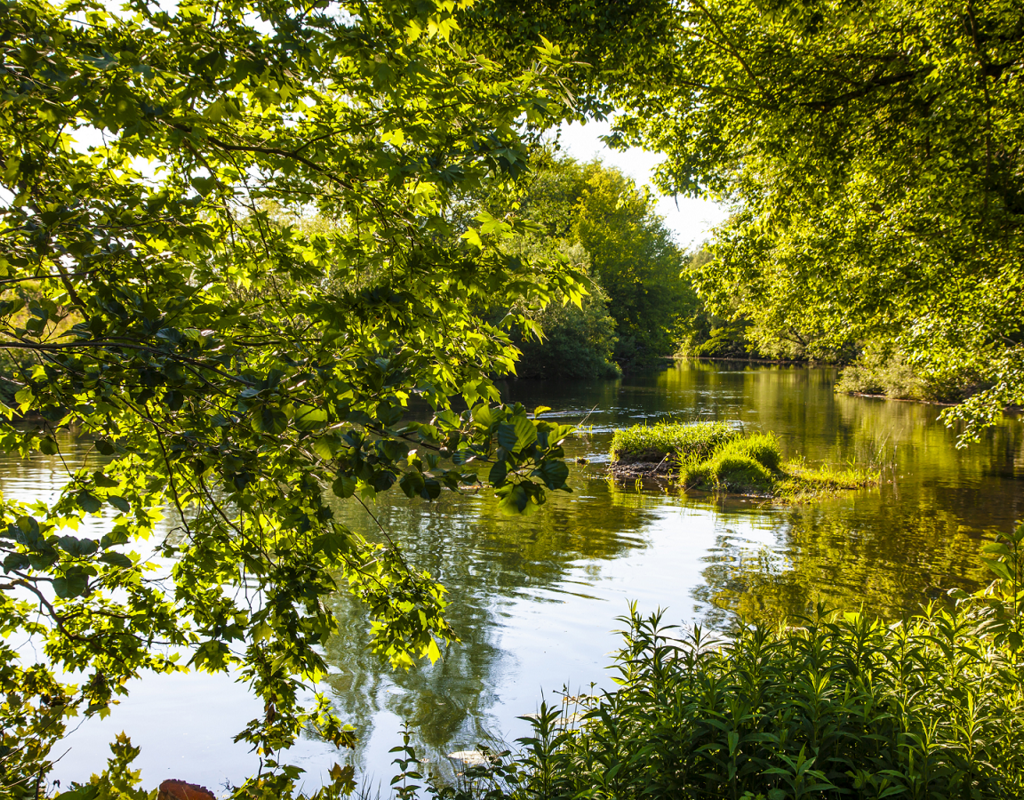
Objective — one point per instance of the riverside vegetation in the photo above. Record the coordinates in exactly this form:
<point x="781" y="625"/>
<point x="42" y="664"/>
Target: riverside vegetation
<point x="838" y="705"/>
<point x="716" y="457"/>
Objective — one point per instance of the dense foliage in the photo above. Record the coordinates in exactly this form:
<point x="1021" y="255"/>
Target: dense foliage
<point x="718" y="327"/>
<point x="237" y="371"/>
<point x="632" y="257"/>
<point x="872" y="151"/>
<point x="885" y="370"/>
<point x="566" y="340"/>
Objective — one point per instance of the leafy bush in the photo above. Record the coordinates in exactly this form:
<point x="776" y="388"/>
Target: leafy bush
<point x="885" y="371"/>
<point x="842" y="706"/>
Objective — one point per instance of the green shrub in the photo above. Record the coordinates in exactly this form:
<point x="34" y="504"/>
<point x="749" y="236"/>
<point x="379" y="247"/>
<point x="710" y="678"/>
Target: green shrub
<point x="841" y="706"/>
<point x="884" y="371"/>
<point x="881" y="372"/>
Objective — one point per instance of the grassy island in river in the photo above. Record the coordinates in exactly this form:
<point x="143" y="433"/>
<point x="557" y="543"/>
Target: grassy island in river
<point x="715" y="457"/>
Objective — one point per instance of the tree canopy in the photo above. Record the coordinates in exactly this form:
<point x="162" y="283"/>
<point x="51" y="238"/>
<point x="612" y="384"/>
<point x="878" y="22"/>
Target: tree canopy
<point x="631" y="253"/>
<point x="872" y="152"/>
<point x="235" y="371"/>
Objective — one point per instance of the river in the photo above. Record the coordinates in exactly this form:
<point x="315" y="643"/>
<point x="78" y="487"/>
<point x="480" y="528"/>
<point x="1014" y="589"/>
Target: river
<point x="535" y="600"/>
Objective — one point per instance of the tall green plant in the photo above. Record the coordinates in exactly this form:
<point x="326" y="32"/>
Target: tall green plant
<point x="835" y="706"/>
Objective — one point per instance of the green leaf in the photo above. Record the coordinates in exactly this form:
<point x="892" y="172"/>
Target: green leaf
<point x="344" y="486"/>
<point x="412" y="483"/>
<point x="310" y="418"/>
<point x="389" y="414"/>
<point x="88" y="502"/>
<point x="103" y="481"/>
<point x="16" y="561"/>
<point x="116" y="560"/>
<point x="497" y="474"/>
<point x="515" y="501"/>
<point x="507" y="436"/>
<point x="483" y="416"/>
<point x="383" y="480"/>
<point x="119" y="503"/>
<point x="77" y="547"/>
<point x="554" y="474"/>
<point x="73" y="584"/>
<point x="526" y="432"/>
<point x="333" y="543"/>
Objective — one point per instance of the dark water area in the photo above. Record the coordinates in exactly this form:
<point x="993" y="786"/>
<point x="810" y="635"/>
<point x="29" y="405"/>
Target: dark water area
<point x="535" y="599"/>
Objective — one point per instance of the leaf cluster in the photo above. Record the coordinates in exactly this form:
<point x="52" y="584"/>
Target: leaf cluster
<point x="871" y="154"/>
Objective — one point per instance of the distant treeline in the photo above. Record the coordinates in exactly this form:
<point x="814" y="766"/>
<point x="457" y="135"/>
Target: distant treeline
<point x="647" y="299"/>
<point x="639" y="301"/>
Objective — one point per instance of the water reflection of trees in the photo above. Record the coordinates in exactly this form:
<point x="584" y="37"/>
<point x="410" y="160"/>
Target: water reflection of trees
<point x="823" y="558"/>
<point x="888" y="550"/>
<point x="486" y="560"/>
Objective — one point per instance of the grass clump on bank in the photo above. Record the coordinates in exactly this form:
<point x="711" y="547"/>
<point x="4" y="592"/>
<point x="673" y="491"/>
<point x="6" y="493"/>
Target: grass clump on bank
<point x="666" y="442"/>
<point x="713" y="457"/>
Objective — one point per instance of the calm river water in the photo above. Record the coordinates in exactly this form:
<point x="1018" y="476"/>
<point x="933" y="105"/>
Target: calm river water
<point x="535" y="600"/>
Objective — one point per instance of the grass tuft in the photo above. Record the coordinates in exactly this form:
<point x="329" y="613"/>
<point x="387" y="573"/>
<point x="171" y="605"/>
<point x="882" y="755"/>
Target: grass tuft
<point x="669" y="441"/>
<point x="714" y="457"/>
<point x="803" y="482"/>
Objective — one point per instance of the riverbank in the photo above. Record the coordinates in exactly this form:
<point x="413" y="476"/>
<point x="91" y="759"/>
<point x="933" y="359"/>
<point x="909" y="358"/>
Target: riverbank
<point x="870" y="379"/>
<point x="752" y="360"/>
